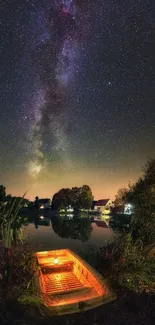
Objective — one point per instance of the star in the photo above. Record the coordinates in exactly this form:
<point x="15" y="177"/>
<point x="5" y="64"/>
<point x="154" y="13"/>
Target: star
<point x="77" y="95"/>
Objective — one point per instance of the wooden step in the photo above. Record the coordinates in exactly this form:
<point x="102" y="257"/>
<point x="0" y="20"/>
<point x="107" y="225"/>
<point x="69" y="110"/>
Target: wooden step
<point x="57" y="283"/>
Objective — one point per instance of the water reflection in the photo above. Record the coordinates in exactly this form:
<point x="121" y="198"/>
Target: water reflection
<point x="41" y="221"/>
<point x="73" y="228"/>
<point x="101" y="223"/>
<point x="47" y="232"/>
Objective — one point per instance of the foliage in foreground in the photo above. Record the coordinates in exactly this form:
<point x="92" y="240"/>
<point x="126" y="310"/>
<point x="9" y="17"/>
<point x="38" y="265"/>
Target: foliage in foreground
<point x="21" y="288"/>
<point x="141" y="195"/>
<point x="130" y="264"/>
<point x="10" y="229"/>
<point x="23" y="267"/>
<point x="18" y="264"/>
<point x="130" y="260"/>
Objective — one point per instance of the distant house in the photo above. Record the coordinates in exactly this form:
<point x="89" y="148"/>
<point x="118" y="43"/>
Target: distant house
<point x="104" y="206"/>
<point x="93" y="204"/>
<point x="44" y="203"/>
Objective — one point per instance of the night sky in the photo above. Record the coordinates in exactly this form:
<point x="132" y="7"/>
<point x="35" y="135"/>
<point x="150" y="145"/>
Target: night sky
<point x="77" y="94"/>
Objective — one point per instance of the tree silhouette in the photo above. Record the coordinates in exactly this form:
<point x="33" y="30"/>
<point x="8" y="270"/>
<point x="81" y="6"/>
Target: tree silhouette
<point x="2" y="193"/>
<point x="36" y="202"/>
<point x="141" y="195"/>
<point x="77" y="197"/>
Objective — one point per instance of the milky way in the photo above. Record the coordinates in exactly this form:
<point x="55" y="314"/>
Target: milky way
<point x="57" y="63"/>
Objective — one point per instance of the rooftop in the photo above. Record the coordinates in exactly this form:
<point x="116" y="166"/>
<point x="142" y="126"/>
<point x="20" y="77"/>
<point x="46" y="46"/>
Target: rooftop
<point x="102" y="203"/>
<point x="43" y="201"/>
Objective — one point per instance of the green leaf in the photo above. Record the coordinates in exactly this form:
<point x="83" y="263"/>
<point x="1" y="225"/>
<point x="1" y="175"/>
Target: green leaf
<point x="28" y="285"/>
<point x="18" y="207"/>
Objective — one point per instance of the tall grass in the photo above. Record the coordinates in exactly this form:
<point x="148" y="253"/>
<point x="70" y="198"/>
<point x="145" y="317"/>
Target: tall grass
<point x="10" y="229"/>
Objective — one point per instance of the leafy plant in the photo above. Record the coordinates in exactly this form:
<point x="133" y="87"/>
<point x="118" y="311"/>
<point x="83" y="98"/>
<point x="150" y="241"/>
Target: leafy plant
<point x="9" y="229"/>
<point x="141" y="195"/>
<point x="28" y="299"/>
<point x="130" y="264"/>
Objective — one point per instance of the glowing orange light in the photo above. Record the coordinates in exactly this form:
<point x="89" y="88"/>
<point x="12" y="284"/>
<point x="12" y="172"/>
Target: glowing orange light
<point x="70" y="274"/>
<point x="56" y="261"/>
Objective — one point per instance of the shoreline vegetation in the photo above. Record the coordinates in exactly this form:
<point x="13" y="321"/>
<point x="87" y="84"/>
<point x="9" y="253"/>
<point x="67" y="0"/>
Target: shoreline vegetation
<point x="128" y="264"/>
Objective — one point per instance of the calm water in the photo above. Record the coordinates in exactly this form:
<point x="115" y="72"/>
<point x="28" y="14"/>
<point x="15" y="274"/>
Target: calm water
<point x="74" y="233"/>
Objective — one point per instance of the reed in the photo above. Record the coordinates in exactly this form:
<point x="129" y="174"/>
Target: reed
<point x="9" y="229"/>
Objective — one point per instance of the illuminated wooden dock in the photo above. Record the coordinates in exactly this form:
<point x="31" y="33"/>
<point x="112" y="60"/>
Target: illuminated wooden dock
<point x="68" y="284"/>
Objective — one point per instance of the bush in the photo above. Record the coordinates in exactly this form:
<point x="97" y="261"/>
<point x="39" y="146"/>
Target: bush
<point x="130" y="264"/>
<point x="23" y="267"/>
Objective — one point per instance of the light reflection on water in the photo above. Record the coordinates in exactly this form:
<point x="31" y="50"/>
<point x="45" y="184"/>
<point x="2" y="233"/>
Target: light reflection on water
<point x="73" y="233"/>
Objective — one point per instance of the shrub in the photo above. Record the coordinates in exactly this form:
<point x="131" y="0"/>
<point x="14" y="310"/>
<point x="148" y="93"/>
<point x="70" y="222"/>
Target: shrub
<point x="130" y="264"/>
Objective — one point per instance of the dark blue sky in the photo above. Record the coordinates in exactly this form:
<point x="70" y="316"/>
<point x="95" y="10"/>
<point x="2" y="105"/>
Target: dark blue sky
<point x="77" y="95"/>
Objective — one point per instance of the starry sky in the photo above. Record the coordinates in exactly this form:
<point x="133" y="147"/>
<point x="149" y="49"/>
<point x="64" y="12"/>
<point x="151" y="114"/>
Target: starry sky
<point x="77" y="94"/>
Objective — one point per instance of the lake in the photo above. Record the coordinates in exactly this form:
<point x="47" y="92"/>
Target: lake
<point x="75" y="233"/>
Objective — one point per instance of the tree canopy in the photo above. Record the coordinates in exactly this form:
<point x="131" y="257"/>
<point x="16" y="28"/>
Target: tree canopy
<point x="120" y="196"/>
<point x="77" y="197"/>
<point x="142" y="195"/>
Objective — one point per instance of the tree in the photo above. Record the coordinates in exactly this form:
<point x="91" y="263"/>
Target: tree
<point x="36" y="203"/>
<point x="77" y="197"/>
<point x="81" y="197"/>
<point x="61" y="199"/>
<point x="120" y="197"/>
<point x="149" y="173"/>
<point x="142" y="195"/>
<point x="86" y="197"/>
<point x="2" y="193"/>
<point x="56" y="201"/>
